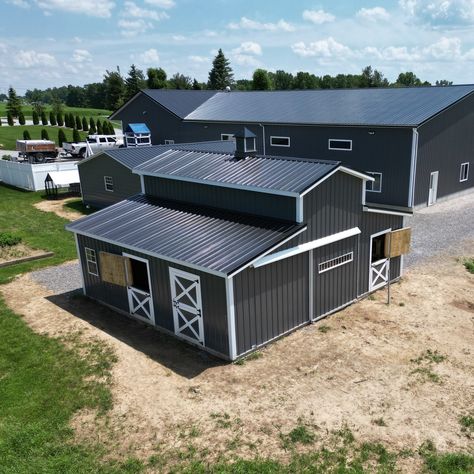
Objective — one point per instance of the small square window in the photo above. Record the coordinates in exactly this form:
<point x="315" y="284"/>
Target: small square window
<point x="109" y="183"/>
<point x="169" y="142"/>
<point x="374" y="186"/>
<point x="464" y="174"/>
<point x="227" y="136"/>
<point x="280" y="141"/>
<point x="342" y="145"/>
<point x="91" y="261"/>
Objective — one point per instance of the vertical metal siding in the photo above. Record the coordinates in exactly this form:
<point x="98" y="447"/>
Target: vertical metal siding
<point x="249" y="202"/>
<point x="92" y="174"/>
<point x="444" y="143"/>
<point x="270" y="301"/>
<point x="213" y="294"/>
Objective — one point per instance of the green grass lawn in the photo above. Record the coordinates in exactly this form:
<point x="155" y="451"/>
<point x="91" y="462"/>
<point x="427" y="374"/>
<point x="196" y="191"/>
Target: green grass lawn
<point x="82" y="112"/>
<point x="9" y="135"/>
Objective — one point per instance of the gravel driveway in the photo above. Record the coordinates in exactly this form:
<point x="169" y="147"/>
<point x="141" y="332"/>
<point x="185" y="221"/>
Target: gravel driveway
<point x="59" y="279"/>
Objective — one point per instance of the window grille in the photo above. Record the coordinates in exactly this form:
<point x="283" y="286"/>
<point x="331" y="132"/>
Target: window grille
<point x="336" y="262"/>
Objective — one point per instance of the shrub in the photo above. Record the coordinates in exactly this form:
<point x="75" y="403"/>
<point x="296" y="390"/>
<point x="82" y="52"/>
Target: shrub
<point x="44" y="119"/>
<point x="99" y="127"/>
<point x="10" y="119"/>
<point x="26" y="135"/>
<point x="61" y="137"/>
<point x="59" y="119"/>
<point x="36" y="120"/>
<point x="78" y="122"/>
<point x="85" y="125"/>
<point x="469" y="265"/>
<point x="44" y="134"/>
<point x="76" y="136"/>
<point x="52" y="119"/>
<point x="8" y="240"/>
<point x="92" y="129"/>
<point x="91" y="123"/>
<point x="21" y="118"/>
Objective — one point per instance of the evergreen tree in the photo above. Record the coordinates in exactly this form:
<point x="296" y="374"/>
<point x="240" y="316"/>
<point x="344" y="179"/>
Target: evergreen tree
<point x="92" y="129"/>
<point x="85" y="125"/>
<point x="13" y="103"/>
<point x="261" y="80"/>
<point x="61" y="137"/>
<point x="44" y="119"/>
<point x="44" y="134"/>
<point x="99" y="128"/>
<point x="156" y="78"/>
<point x="35" y="118"/>
<point x="21" y="118"/>
<point x="221" y="74"/>
<point x="197" y="86"/>
<point x="59" y="119"/>
<point x="76" y="136"/>
<point x="78" y="122"/>
<point x="52" y="118"/>
<point x="26" y="135"/>
<point x="114" y="90"/>
<point x="134" y="82"/>
<point x="71" y="122"/>
<point x="10" y="119"/>
<point x="1" y="121"/>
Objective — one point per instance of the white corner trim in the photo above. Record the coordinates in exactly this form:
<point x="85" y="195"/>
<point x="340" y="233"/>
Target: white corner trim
<point x="385" y="211"/>
<point x="414" y="157"/>
<point x="80" y="264"/>
<point x="142" y="183"/>
<point x="314" y="244"/>
<point x="229" y="286"/>
<point x="299" y="209"/>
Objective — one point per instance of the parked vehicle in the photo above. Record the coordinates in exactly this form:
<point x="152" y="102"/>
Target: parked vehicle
<point x="36" y="151"/>
<point x="93" y="144"/>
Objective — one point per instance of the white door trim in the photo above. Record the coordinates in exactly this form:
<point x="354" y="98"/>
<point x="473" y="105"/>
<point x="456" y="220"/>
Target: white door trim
<point x="433" y="188"/>
<point x="196" y="283"/>
<point x="131" y="290"/>
<point x="386" y="265"/>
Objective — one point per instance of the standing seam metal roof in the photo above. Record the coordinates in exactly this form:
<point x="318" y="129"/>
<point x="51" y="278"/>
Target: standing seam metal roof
<point x="282" y="175"/>
<point x="408" y="106"/>
<point x="217" y="241"/>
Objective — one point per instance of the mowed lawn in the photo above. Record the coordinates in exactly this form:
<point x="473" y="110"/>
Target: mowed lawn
<point x="9" y="135"/>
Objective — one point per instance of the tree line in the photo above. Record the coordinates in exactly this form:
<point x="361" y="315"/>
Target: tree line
<point x="116" y="89"/>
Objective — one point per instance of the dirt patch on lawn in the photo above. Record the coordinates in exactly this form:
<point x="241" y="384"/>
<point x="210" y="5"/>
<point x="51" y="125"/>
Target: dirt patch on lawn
<point x="19" y="251"/>
<point x="57" y="206"/>
<point x="398" y="374"/>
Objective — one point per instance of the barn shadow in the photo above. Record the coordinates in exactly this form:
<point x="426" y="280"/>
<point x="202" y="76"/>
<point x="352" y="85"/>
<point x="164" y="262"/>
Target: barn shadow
<point x="173" y="354"/>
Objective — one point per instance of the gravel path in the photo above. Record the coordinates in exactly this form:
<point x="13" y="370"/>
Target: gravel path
<point x="59" y="279"/>
<point x="441" y="228"/>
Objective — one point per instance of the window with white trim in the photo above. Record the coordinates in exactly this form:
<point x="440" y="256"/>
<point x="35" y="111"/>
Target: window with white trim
<point x="91" y="261"/>
<point x="169" y="142"/>
<point x="374" y="186"/>
<point x="227" y="136"/>
<point x="109" y="183"/>
<point x="336" y="262"/>
<point x="341" y="145"/>
<point x="280" y="141"/>
<point x="464" y="173"/>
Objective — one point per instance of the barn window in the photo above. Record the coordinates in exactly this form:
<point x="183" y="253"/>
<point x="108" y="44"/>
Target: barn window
<point x="464" y="174"/>
<point x="169" y="142"/>
<point x="91" y="260"/>
<point x="374" y="186"/>
<point x="227" y="136"/>
<point x="378" y="248"/>
<point x="280" y="141"/>
<point x="344" y="145"/>
<point x="336" y="262"/>
<point x="109" y="183"/>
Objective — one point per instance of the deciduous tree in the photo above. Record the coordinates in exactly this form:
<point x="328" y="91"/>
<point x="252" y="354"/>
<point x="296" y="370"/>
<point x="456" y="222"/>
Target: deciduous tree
<point x="261" y="80"/>
<point x="156" y="78"/>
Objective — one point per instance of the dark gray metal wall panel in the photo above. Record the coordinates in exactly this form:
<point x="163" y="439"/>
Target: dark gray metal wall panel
<point x="249" y="202"/>
<point x="213" y="293"/>
<point x="372" y="223"/>
<point x="336" y="287"/>
<point x="270" y="301"/>
<point x="444" y="143"/>
<point x="92" y="174"/>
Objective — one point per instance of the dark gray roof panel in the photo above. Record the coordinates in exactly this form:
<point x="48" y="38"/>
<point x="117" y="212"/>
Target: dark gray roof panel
<point x="382" y="107"/>
<point x="218" y="241"/>
<point x="262" y="173"/>
<point x="131" y="157"/>
<point x="180" y="102"/>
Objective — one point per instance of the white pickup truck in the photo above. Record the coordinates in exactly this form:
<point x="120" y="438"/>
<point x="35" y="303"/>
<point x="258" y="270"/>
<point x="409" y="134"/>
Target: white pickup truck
<point x="93" y="144"/>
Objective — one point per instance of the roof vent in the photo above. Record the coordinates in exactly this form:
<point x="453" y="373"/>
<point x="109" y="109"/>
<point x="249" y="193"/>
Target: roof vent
<point x="245" y="144"/>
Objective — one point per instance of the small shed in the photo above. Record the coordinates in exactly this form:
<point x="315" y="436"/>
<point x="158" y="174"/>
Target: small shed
<point x="137" y="134"/>
<point x="64" y="182"/>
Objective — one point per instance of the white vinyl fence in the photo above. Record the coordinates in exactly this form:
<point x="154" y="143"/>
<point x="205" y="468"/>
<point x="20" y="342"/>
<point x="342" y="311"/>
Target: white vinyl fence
<point x="30" y="176"/>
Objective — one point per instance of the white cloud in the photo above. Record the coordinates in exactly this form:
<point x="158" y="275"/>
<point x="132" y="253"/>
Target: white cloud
<point x="148" y="57"/>
<point x="31" y="58"/>
<point x="373" y="14"/>
<point x="440" y="12"/>
<point x="248" y="24"/>
<point x="245" y="60"/>
<point x="98" y="8"/>
<point x="324" y="48"/>
<point x="3" y="48"/>
<point x="318" y="17"/>
<point x="178" y="37"/>
<point x="130" y="28"/>
<point x="248" y="47"/>
<point x="444" y="49"/>
<point x="210" y="33"/>
<point x="199" y="59"/>
<point x="19" y="3"/>
<point x="161" y="3"/>
<point x="81" y="56"/>
<point x="134" y="11"/>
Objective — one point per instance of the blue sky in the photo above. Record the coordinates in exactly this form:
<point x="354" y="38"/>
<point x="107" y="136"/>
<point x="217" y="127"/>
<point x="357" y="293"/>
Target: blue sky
<point x="54" y="42"/>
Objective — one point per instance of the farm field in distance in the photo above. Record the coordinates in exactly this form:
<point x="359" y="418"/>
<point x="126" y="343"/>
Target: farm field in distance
<point x="82" y="112"/>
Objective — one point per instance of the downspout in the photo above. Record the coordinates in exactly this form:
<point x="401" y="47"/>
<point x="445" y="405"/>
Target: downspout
<point x="263" y="134"/>
<point x="414" y="157"/>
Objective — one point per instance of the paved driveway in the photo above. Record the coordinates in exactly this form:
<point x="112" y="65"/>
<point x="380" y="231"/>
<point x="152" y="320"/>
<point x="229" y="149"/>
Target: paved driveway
<point x="441" y="228"/>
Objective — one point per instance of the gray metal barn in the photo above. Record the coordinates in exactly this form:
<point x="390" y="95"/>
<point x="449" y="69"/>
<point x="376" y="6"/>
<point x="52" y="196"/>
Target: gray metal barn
<point x="230" y="251"/>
